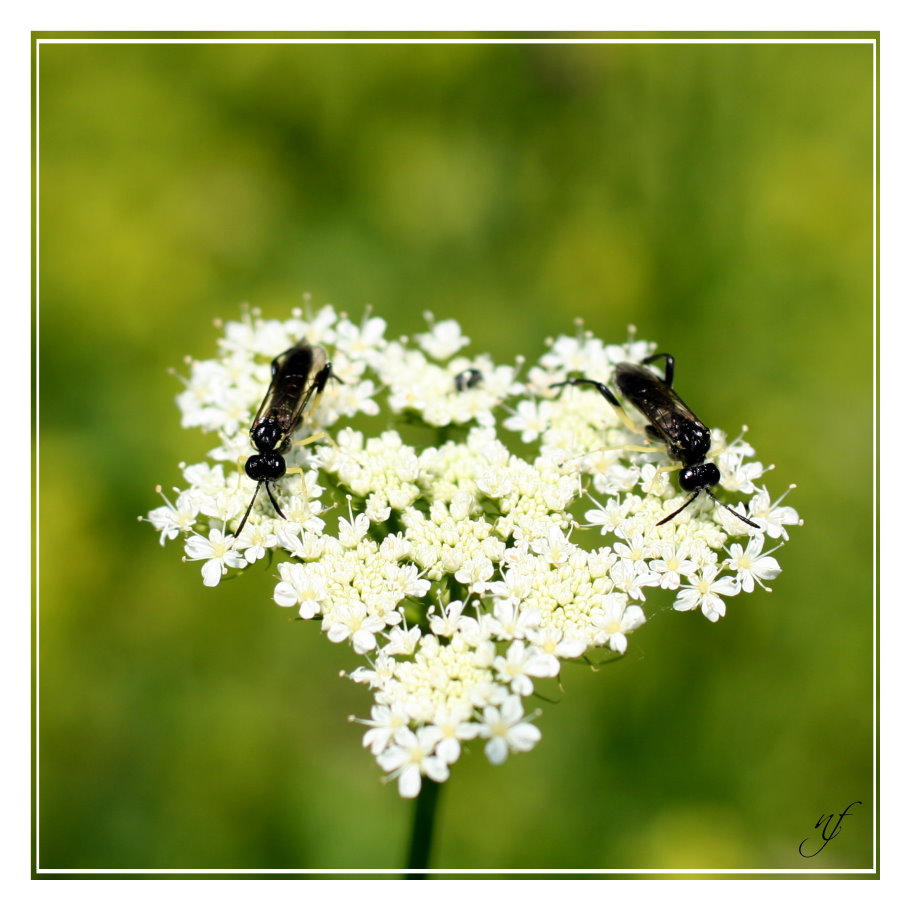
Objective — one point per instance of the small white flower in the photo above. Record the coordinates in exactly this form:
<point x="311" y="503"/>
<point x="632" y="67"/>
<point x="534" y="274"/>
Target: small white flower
<point x="703" y="592"/>
<point x="558" y="643"/>
<point x="172" y="520"/>
<point x="507" y="730"/>
<point x="512" y="621"/>
<point x="736" y="475"/>
<point x="402" y="640"/>
<point x="555" y="547"/>
<point x="363" y="339"/>
<point x="751" y="566"/>
<point x="350" y="533"/>
<point x="377" y="508"/>
<point x="615" y="619"/>
<point x="531" y="419"/>
<point x="630" y="577"/>
<point x="632" y="351"/>
<point x="395" y="547"/>
<point x="205" y="480"/>
<point x="410" y="582"/>
<point x="385" y="722"/>
<point x="617" y="478"/>
<point x="672" y="564"/>
<point x="453" y="730"/>
<point x="350" y="620"/>
<point x="446" y="625"/>
<point x="377" y="676"/>
<point x="636" y="551"/>
<point x="520" y="663"/>
<point x="475" y="571"/>
<point x="301" y="584"/>
<point x="443" y="340"/>
<point x="771" y="517"/>
<point x="577" y="355"/>
<point x="607" y="517"/>
<point x="514" y="587"/>
<point x="217" y="553"/>
<point x="256" y="540"/>
<point x="565" y="355"/>
<point x="411" y="756"/>
<point x="306" y="545"/>
<point x="654" y="481"/>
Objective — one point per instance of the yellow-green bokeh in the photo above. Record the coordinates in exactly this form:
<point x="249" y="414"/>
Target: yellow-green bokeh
<point x="717" y="196"/>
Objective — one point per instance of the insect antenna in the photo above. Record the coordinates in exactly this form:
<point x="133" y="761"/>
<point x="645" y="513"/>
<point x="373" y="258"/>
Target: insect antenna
<point x="268" y="490"/>
<point x="249" y="508"/>
<point x="689" y="501"/>
<point x="751" y="524"/>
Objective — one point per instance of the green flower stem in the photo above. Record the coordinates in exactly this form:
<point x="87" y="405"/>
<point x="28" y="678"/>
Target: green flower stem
<point x="422" y="832"/>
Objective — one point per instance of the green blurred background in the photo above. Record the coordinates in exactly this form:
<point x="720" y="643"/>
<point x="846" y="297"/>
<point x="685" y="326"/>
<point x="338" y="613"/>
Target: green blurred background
<point x="717" y="196"/>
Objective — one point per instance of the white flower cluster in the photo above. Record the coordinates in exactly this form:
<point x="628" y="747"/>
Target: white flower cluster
<point x="452" y="568"/>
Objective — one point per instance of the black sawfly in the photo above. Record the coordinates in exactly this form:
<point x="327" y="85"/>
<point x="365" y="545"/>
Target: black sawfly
<point x="670" y="421"/>
<point x="298" y="377"/>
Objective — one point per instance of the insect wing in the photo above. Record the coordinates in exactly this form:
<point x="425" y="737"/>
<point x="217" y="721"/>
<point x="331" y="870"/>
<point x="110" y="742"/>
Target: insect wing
<point x="297" y="374"/>
<point x="665" y="410"/>
<point x="302" y="375"/>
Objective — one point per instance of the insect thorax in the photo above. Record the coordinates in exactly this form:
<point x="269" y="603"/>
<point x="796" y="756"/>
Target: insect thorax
<point x="691" y="444"/>
<point x="267" y="435"/>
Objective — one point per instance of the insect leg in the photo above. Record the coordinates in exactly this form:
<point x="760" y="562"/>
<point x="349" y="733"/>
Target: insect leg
<point x="611" y="398"/>
<point x="302" y="472"/>
<point x="669" y="366"/>
<point x="241" y="473"/>
<point x="322" y="377"/>
<point x="582" y="380"/>
<point x="321" y="434"/>
<point x="652" y="450"/>
<point x="633" y="448"/>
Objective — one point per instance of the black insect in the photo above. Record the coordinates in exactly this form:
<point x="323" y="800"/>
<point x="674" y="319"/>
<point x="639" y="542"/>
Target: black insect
<point x="670" y="421"/>
<point x="468" y="379"/>
<point x="298" y="377"/>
